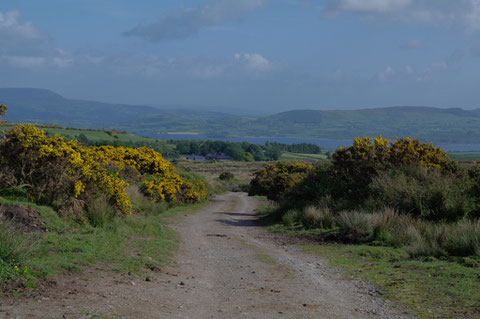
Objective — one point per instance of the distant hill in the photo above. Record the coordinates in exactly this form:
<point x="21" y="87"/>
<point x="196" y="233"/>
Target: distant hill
<point x="453" y="126"/>
<point x="446" y="126"/>
<point x="44" y="106"/>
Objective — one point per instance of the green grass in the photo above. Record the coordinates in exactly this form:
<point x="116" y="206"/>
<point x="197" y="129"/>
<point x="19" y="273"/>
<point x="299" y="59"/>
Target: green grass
<point x="465" y="156"/>
<point x="97" y="135"/>
<point x="302" y="157"/>
<point x="130" y="244"/>
<point x="432" y="289"/>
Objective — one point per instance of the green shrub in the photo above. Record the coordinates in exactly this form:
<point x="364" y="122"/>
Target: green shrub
<point x="290" y="218"/>
<point x="225" y="176"/>
<point x="360" y="162"/>
<point x="99" y="212"/>
<point x="313" y="217"/>
<point x="319" y="187"/>
<point x="423" y="192"/>
<point x="276" y="179"/>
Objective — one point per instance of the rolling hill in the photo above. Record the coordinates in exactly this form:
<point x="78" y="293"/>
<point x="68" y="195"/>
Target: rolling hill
<point x="452" y="126"/>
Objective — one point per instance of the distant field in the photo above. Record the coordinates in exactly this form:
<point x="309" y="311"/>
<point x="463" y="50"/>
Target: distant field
<point x="92" y="135"/>
<point x="302" y="157"/>
<point x="464" y="155"/>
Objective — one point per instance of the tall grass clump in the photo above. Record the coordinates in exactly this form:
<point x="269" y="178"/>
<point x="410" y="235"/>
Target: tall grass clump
<point x="290" y="218"/>
<point x="355" y="226"/>
<point x="144" y="206"/>
<point x="427" y="193"/>
<point x="314" y="217"/>
<point x="464" y="239"/>
<point x="100" y="212"/>
<point x="14" y="252"/>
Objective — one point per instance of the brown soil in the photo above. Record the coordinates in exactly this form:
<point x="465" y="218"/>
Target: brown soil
<point x="227" y="267"/>
<point x="25" y="218"/>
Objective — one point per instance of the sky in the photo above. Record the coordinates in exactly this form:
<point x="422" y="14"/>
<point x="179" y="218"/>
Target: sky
<point x="246" y="56"/>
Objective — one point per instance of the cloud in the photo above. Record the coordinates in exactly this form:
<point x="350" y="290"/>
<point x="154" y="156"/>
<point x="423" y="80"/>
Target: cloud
<point x="24" y="46"/>
<point x="412" y="44"/>
<point x="369" y="6"/>
<point x="22" y="39"/>
<point x="386" y="74"/>
<point x="433" y="12"/>
<point x="184" y="23"/>
<point x="253" y="61"/>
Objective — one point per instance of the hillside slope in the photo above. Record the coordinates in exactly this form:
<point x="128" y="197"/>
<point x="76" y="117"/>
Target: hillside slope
<point x="453" y="125"/>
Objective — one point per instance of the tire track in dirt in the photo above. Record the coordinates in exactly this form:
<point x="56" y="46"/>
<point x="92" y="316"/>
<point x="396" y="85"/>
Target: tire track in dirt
<point x="227" y="267"/>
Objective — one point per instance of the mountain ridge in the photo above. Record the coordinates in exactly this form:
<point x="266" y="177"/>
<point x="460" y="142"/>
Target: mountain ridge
<point x="446" y="125"/>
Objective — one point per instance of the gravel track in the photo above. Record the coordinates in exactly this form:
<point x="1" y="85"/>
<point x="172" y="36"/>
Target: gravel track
<point x="227" y="267"/>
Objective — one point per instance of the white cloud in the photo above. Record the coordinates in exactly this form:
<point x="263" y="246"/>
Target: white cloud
<point x="253" y="61"/>
<point x="24" y="46"/>
<point x="386" y="74"/>
<point x="375" y="6"/>
<point x="434" y="12"/>
<point x="184" y="23"/>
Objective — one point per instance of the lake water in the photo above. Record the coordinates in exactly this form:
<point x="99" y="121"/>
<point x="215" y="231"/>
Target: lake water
<point x="323" y="143"/>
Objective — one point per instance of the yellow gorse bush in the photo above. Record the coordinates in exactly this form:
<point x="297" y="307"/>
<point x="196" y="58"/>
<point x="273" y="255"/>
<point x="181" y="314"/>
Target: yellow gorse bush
<point x="276" y="179"/>
<point x="53" y="167"/>
<point x="161" y="183"/>
<point x="65" y="173"/>
<point x="362" y="160"/>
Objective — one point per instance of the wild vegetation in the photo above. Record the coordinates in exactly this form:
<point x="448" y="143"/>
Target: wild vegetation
<point x="400" y="214"/>
<point x="82" y="196"/>
<point x="402" y="194"/>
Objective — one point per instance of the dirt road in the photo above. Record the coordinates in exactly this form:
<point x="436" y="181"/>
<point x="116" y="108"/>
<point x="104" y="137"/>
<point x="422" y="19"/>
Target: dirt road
<point x="227" y="267"/>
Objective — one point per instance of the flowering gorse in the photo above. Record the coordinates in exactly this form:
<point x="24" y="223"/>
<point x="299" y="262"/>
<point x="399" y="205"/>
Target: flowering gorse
<point x="69" y="175"/>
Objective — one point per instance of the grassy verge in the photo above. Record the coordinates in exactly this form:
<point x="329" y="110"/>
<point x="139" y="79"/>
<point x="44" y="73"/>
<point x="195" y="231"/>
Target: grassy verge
<point x="432" y="289"/>
<point x="134" y="244"/>
<point x="288" y="156"/>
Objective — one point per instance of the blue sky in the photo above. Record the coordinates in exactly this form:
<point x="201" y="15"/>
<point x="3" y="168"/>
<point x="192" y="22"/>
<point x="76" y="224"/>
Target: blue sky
<point x="246" y="56"/>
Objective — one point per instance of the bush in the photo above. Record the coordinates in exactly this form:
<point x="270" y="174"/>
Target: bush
<point x="225" y="176"/>
<point x="359" y="163"/>
<point x="276" y="179"/>
<point x="319" y="187"/>
<point x="3" y="110"/>
<point x="57" y="172"/>
<point x="69" y="176"/>
<point x="423" y="192"/>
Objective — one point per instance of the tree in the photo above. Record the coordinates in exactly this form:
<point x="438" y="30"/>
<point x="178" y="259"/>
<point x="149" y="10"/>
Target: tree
<point x="3" y="110"/>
